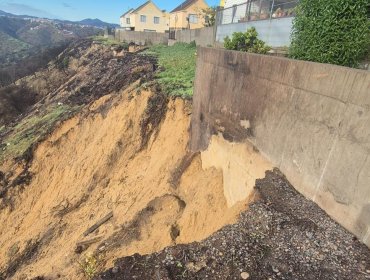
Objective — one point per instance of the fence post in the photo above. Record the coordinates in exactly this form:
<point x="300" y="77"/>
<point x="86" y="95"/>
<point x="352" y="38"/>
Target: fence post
<point x="249" y="5"/>
<point x="246" y="10"/>
<point x="260" y="10"/>
<point x="272" y="9"/>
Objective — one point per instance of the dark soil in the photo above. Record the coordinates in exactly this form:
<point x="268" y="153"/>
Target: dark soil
<point x="281" y="236"/>
<point x="154" y="114"/>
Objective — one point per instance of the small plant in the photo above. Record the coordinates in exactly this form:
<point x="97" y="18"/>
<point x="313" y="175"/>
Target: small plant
<point x="90" y="265"/>
<point x="246" y="42"/>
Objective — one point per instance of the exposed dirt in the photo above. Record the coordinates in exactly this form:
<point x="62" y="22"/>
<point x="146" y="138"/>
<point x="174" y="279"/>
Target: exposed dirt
<point x="281" y="236"/>
<point x="95" y="163"/>
<point x="109" y="177"/>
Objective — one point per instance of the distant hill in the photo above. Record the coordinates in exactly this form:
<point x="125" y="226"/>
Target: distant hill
<point x="20" y="37"/>
<point x="2" y="13"/>
<point x="97" y="23"/>
<point x="90" y="22"/>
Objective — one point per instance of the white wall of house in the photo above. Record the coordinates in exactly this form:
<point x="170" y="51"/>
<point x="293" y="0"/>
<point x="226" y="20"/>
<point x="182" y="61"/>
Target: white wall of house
<point x="125" y="21"/>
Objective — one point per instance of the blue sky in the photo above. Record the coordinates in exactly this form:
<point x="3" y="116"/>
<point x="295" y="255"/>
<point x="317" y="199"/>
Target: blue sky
<point x="106" y="10"/>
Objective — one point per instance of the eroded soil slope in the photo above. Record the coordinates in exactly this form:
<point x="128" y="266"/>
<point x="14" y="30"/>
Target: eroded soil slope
<point x="125" y="153"/>
<point x="96" y="181"/>
<point x="101" y="141"/>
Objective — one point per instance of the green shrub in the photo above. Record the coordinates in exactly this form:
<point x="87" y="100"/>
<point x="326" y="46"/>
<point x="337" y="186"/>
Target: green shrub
<point x="246" y="42"/>
<point x="331" y="31"/>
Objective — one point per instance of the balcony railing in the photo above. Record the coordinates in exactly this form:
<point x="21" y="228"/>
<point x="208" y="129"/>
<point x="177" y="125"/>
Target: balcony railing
<point x="257" y="10"/>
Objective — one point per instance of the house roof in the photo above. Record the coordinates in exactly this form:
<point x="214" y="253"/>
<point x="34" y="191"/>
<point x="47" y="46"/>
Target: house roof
<point x="183" y="5"/>
<point x="143" y="5"/>
<point x="128" y="12"/>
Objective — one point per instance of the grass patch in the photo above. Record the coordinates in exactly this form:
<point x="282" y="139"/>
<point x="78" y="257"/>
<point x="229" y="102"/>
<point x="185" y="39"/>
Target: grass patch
<point x="178" y="68"/>
<point x="108" y="42"/>
<point x="30" y="130"/>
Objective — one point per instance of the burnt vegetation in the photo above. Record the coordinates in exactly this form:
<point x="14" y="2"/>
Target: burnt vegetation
<point x="15" y="100"/>
<point x="28" y="66"/>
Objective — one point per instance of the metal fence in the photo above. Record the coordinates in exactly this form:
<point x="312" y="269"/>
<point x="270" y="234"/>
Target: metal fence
<point x="256" y="10"/>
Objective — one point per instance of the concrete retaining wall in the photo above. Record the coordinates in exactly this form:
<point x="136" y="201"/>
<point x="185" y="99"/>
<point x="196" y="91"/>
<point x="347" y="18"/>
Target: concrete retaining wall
<point x="203" y="36"/>
<point x="310" y="120"/>
<point x="141" y="38"/>
<point x="275" y="32"/>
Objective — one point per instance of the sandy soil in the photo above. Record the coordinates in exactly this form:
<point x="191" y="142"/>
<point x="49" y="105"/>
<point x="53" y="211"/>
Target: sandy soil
<point x="97" y="162"/>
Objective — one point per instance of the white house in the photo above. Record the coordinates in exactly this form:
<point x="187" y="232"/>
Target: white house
<point x="125" y="20"/>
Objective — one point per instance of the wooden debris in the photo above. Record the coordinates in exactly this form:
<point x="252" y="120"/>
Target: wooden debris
<point x="99" y="223"/>
<point x="84" y="244"/>
<point x="89" y="241"/>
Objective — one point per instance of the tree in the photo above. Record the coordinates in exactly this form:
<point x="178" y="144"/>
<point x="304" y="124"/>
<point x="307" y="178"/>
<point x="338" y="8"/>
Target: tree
<point x="246" y="42"/>
<point x="331" y="31"/>
<point x="209" y="15"/>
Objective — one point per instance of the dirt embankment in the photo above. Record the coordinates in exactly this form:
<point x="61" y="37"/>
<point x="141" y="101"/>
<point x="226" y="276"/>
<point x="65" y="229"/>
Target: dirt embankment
<point x="97" y="177"/>
<point x="127" y="154"/>
<point x="101" y="141"/>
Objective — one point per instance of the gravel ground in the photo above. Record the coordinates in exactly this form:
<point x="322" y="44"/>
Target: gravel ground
<point x="281" y="236"/>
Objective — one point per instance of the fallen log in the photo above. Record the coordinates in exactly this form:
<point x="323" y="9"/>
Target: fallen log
<point x="99" y="223"/>
<point x="89" y="241"/>
<point x="84" y="244"/>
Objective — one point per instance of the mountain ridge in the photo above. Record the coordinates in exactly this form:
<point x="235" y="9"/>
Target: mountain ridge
<point x="23" y="37"/>
<point x="95" y="22"/>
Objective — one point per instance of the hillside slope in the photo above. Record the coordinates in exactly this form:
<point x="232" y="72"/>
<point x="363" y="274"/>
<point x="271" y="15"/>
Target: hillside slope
<point x="12" y="47"/>
<point x="108" y="156"/>
<point x="96" y="182"/>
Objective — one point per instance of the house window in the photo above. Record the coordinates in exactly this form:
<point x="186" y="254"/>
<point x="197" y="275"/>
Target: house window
<point x="127" y="20"/>
<point x="142" y="18"/>
<point x="193" y="18"/>
<point x="156" y="20"/>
